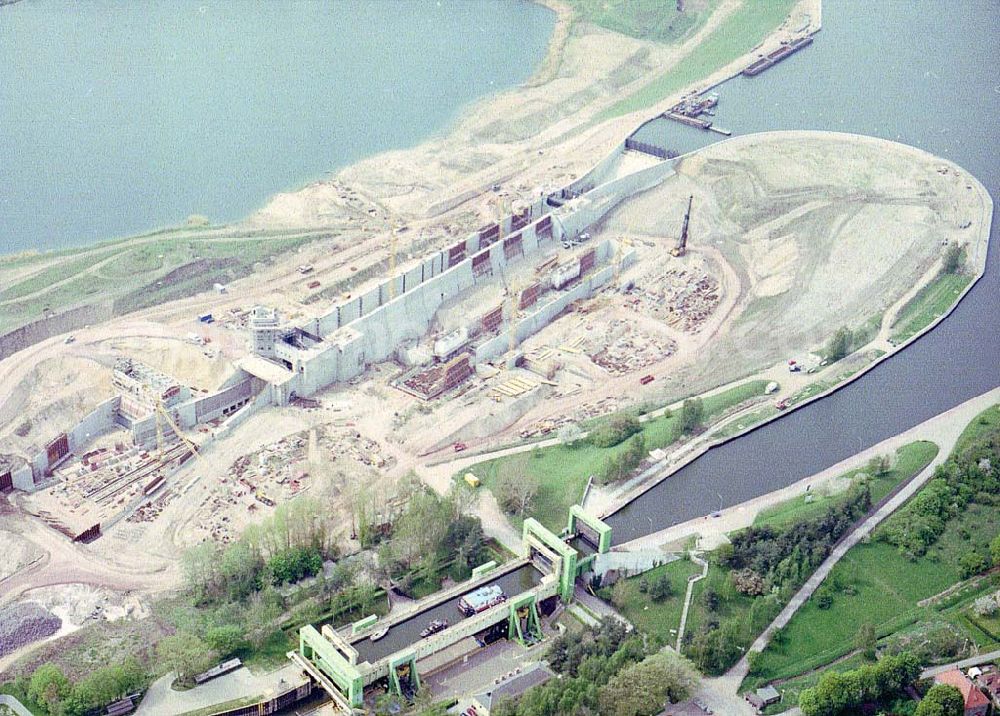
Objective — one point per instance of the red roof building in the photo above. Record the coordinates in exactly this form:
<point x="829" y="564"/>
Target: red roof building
<point x="976" y="703"/>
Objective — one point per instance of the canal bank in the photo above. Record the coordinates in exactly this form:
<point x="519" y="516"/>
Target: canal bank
<point x="977" y="248"/>
<point x="919" y="71"/>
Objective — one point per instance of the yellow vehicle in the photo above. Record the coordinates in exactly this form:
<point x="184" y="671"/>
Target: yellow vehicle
<point x="471" y="480"/>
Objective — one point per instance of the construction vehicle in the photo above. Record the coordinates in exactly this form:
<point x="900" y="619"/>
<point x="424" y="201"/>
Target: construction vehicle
<point x="682" y="243"/>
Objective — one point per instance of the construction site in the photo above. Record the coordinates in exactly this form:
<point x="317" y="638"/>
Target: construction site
<point x="624" y="282"/>
<point x="639" y="281"/>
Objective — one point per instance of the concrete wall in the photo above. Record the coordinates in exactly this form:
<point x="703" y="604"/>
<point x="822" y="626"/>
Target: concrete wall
<point x="547" y="311"/>
<point x="599" y="174"/>
<point x="45" y="328"/>
<point x="631" y="563"/>
<point x="23" y="478"/>
<point x="97" y="422"/>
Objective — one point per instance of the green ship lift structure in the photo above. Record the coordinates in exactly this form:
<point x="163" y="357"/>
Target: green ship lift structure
<point x="333" y="661"/>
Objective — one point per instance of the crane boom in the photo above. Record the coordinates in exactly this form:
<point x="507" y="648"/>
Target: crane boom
<point x="682" y="242"/>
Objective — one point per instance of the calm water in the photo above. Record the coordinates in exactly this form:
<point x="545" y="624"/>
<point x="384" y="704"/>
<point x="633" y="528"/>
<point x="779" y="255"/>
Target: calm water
<point x="118" y="117"/>
<point x="896" y="69"/>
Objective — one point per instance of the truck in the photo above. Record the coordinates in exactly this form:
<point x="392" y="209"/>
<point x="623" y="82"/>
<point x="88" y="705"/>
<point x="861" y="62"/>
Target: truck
<point x="206" y="318"/>
<point x="481" y="599"/>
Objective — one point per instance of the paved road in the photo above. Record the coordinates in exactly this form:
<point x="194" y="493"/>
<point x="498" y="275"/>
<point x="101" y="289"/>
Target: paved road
<point x="971" y="661"/>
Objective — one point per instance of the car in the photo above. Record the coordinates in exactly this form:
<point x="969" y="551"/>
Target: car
<point x="459" y="447"/>
<point x="781" y="404"/>
<point x="69" y="339"/>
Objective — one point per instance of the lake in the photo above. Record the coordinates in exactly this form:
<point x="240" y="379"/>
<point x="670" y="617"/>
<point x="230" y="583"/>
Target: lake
<point x="117" y="118"/>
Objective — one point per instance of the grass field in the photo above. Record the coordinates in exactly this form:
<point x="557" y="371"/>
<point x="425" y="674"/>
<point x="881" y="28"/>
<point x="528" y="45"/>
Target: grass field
<point x="646" y="19"/>
<point x="874" y="583"/>
<point x="986" y="420"/>
<point x="129" y="271"/>
<point x="657" y="618"/>
<point x="735" y="36"/>
<point x="909" y="460"/>
<point x="562" y="471"/>
<point x="931" y="301"/>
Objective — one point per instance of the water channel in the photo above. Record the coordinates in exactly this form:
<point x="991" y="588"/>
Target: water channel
<point x="901" y="70"/>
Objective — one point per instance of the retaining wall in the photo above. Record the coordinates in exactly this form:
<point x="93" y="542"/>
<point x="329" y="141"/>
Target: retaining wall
<point x="45" y="328"/>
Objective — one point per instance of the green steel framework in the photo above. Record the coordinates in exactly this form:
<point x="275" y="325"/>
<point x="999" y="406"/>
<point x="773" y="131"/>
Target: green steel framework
<point x="345" y="676"/>
<point x="524" y="607"/>
<point x="535" y="532"/>
<point x="409" y="660"/>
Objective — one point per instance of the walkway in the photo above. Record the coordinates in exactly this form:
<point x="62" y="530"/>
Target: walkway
<point x="947" y="427"/>
<point x="161" y="699"/>
<point x="14" y="705"/>
<point x="687" y="597"/>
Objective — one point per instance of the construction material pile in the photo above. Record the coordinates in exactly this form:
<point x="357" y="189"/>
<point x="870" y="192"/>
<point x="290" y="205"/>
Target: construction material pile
<point x="24" y="623"/>
<point x="624" y="348"/>
<point x="684" y="298"/>
<point x="584" y="412"/>
<point x="431" y="382"/>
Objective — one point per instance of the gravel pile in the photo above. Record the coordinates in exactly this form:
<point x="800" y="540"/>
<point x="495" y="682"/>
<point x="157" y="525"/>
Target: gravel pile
<point x="25" y="623"/>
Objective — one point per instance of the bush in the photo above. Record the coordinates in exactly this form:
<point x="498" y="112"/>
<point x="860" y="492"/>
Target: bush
<point x="615" y="430"/>
<point x="839" y="344"/>
<point x="954" y="258"/>
<point x="972" y="563"/>
<point x="692" y="415"/>
<point x="661" y="588"/>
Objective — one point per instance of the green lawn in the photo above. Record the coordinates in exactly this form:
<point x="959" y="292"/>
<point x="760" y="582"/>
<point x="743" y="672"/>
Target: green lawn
<point x="658" y="618"/>
<point x="986" y="420"/>
<point x="909" y="460"/>
<point x="746" y="421"/>
<point x="645" y="19"/>
<point x="132" y="270"/>
<point x="887" y="588"/>
<point x="562" y="471"/>
<point x="931" y="301"/>
<point x="744" y="29"/>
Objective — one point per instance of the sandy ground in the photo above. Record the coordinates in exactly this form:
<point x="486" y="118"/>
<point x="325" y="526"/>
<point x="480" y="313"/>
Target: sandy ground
<point x="772" y="248"/>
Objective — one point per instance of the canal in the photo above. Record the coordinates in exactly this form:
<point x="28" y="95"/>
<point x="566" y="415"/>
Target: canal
<point x="901" y="70"/>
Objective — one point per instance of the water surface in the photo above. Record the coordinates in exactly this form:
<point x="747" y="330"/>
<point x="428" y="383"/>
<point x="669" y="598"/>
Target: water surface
<point x="119" y="117"/>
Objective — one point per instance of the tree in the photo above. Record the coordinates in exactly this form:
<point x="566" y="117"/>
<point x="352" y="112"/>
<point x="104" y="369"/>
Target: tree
<point x="108" y="684"/>
<point x="616" y="429"/>
<point x="49" y="686"/>
<point x="878" y="465"/>
<point x="954" y="258"/>
<point x="641" y="689"/>
<point x="839" y="344"/>
<point x="995" y="550"/>
<point x="570" y="435"/>
<point x="225" y="639"/>
<point x="515" y="488"/>
<point x="661" y="588"/>
<point x="865" y="640"/>
<point x="985" y="606"/>
<point x="184" y="654"/>
<point x="692" y="415"/>
<point x="941" y="700"/>
<point x="749" y="582"/>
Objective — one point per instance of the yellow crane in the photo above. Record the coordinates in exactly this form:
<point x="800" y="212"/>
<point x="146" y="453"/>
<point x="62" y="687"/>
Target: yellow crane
<point x="392" y="264"/>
